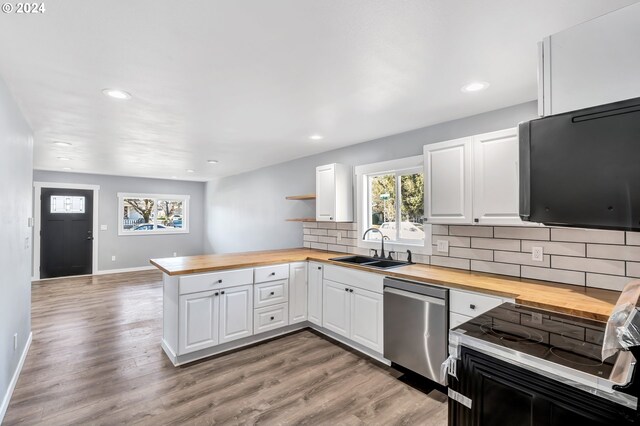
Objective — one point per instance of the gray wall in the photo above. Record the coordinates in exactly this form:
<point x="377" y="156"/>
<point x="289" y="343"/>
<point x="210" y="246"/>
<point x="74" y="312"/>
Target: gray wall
<point x="135" y="251"/>
<point x="248" y="211"/>
<point x="16" y="162"/>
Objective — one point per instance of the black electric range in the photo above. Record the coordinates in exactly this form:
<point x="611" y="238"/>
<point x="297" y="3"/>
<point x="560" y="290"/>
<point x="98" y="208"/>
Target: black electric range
<point x="562" y="347"/>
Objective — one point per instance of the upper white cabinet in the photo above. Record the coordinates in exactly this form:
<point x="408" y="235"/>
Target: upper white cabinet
<point x="496" y="177"/>
<point x="590" y="64"/>
<point x="473" y="180"/>
<point x="298" y="292"/>
<point x="334" y="193"/>
<point x="448" y="181"/>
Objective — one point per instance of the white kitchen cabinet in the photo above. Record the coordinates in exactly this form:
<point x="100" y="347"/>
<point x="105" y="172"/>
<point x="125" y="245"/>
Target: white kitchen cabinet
<point x="471" y="305"/>
<point x="297" y="292"/>
<point x="336" y="306"/>
<point x="590" y="64"/>
<point x="366" y="318"/>
<point x="236" y="313"/>
<point x="448" y="169"/>
<point x="495" y="178"/>
<point x="198" y="320"/>
<point x="473" y="180"/>
<point x="334" y="193"/>
<point x="314" y="293"/>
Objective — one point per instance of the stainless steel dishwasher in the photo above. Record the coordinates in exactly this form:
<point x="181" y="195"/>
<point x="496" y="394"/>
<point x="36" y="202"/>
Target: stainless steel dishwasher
<point x="416" y="326"/>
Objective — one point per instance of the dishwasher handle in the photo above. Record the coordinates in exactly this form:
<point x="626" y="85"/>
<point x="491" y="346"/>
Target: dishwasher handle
<point x="421" y="297"/>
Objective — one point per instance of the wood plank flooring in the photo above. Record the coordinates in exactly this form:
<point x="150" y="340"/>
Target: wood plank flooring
<point x="96" y="359"/>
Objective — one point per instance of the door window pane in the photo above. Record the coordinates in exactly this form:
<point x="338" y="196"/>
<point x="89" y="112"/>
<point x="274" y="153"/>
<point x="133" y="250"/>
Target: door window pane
<point x="67" y="204"/>
<point x="382" y="206"/>
<point x="138" y="214"/>
<point x="170" y="215"/>
<point x="412" y="206"/>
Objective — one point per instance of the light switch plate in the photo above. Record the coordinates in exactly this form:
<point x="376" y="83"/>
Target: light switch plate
<point x="339" y="236"/>
<point x="113" y="258"/>
<point x="103" y="227"/>
<point x="537" y="254"/>
<point x="443" y="246"/>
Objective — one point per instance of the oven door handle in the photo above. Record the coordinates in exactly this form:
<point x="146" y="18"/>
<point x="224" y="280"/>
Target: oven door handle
<point x="421" y="297"/>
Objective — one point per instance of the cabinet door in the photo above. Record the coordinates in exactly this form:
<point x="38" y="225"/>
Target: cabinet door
<point x="448" y="181"/>
<point x="366" y="318"/>
<point x="325" y="193"/>
<point x="198" y="323"/>
<point x="495" y="178"/>
<point x="314" y="286"/>
<point x="297" y="292"/>
<point x="335" y="308"/>
<point x="236" y="313"/>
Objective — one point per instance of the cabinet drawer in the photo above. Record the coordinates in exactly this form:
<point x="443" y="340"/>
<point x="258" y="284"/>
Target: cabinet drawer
<point x="270" y="317"/>
<point x="352" y="277"/>
<point x="271" y="293"/>
<point x="457" y="319"/>
<point x="215" y="280"/>
<point x="471" y="304"/>
<point x="271" y="273"/>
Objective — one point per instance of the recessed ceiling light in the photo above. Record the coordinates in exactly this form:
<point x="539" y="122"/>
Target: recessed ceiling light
<point x="316" y="137"/>
<point x="190" y="170"/>
<point x="116" y="93"/>
<point x="62" y="143"/>
<point x="212" y="161"/>
<point x="63" y="158"/>
<point x="66" y="168"/>
<point x="475" y="86"/>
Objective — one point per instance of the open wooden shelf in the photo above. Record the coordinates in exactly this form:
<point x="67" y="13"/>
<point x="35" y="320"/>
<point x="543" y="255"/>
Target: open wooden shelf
<point x="302" y="219"/>
<point x="302" y="197"/>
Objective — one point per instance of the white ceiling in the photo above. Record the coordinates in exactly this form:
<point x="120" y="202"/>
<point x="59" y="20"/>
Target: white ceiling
<point x="246" y="82"/>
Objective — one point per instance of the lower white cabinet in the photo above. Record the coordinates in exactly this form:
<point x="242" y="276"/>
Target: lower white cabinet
<point x="270" y="318"/>
<point x="297" y="292"/>
<point x="236" y="313"/>
<point x="198" y="321"/>
<point x="209" y="318"/>
<point x="314" y="293"/>
<point x="457" y="319"/>
<point x="353" y="313"/>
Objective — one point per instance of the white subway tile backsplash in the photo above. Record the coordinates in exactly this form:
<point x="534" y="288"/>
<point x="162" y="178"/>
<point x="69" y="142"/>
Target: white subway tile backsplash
<point x="436" y="252"/>
<point x="633" y="269"/>
<point x="319" y="246"/>
<point x="310" y="238"/>
<point x="310" y="224"/>
<point x="495" y="244"/>
<point x="306" y="244"/>
<point x="440" y="229"/>
<point x="613" y="252"/>
<point x="328" y="240"/>
<point x="521" y="233"/>
<point x="453" y="241"/>
<point x="468" y="253"/>
<point x="608" y="282"/>
<point x="353" y="234"/>
<point x="613" y="267"/>
<point x="327" y="225"/>
<point x="421" y="258"/>
<point x="521" y="259"/>
<point x="340" y="249"/>
<point x="306" y="231"/>
<point x="359" y="250"/>
<point x="587" y="235"/>
<point x="551" y="247"/>
<point x="348" y="241"/>
<point x="471" y="231"/>
<point x="347" y="226"/>
<point x="450" y="262"/>
<point x="495" y="268"/>
<point x="318" y="232"/>
<point x="557" y="275"/>
<point x="633" y="238"/>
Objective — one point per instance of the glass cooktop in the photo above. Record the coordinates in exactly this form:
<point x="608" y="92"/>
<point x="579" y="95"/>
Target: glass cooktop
<point x="562" y="339"/>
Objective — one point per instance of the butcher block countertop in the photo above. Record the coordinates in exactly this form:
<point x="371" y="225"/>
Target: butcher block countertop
<point x="575" y="300"/>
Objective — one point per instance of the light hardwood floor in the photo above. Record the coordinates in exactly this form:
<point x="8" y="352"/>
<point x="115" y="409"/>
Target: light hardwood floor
<point x="96" y="359"/>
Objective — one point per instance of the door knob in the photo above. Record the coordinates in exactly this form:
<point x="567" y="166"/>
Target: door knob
<point x="273" y="273"/>
<point x="350" y="290"/>
<point x="219" y="281"/>
<point x="271" y="294"/>
<point x="222" y="292"/>
<point x="272" y="318"/>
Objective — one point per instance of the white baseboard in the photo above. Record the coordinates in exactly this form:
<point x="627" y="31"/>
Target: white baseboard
<point x="119" y="271"/>
<point x="14" y="379"/>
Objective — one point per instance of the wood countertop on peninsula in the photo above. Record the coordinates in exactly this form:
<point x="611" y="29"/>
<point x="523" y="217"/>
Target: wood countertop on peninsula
<point x="576" y="300"/>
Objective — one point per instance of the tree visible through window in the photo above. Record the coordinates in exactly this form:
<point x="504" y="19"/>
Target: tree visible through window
<point x="142" y="214"/>
<point x="396" y="206"/>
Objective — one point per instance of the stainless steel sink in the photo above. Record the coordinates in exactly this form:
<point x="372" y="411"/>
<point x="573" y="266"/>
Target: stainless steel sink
<point x="372" y="262"/>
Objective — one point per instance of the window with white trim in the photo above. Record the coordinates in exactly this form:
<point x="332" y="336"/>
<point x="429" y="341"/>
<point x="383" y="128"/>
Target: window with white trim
<point x="391" y="200"/>
<point x="144" y="214"/>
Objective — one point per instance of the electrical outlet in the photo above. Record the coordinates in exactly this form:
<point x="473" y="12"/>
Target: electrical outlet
<point x="175" y="254"/>
<point x="536" y="318"/>
<point x="15" y="342"/>
<point x="103" y="227"/>
<point x="339" y="236"/>
<point x="27" y="243"/>
<point x="113" y="258"/>
<point x="443" y="246"/>
<point x="537" y="254"/>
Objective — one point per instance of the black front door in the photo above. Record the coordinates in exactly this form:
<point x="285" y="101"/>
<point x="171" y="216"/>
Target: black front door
<point x="66" y="236"/>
